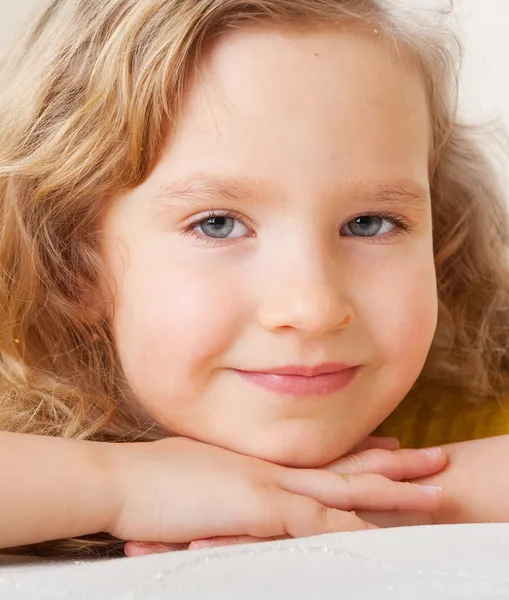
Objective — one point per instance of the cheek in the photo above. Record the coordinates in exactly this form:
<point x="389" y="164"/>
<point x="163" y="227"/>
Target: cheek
<point x="398" y="309"/>
<point x="403" y="316"/>
<point x="173" y="322"/>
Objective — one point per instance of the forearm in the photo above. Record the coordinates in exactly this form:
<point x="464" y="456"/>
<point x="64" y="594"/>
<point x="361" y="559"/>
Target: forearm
<point x="475" y="482"/>
<point x="51" y="488"/>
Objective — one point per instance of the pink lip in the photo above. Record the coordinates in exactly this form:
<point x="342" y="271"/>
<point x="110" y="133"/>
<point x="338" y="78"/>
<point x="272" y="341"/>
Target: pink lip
<point x="323" y="369"/>
<point x="303" y="381"/>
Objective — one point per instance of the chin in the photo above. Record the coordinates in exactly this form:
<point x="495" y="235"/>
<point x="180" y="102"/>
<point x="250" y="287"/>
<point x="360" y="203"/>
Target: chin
<point x="310" y="454"/>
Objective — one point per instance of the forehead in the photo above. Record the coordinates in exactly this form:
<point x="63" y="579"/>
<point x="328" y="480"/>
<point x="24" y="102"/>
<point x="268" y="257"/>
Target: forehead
<point x="268" y="103"/>
<point x="291" y="68"/>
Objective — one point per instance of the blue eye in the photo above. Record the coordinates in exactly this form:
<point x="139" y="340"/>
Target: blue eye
<point x="218" y="226"/>
<point x="370" y="226"/>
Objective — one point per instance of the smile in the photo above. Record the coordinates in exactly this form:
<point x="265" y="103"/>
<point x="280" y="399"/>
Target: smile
<point x="292" y="383"/>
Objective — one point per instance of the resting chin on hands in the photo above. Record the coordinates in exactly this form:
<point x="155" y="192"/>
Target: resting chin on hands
<point x="474" y="478"/>
<point x="379" y="456"/>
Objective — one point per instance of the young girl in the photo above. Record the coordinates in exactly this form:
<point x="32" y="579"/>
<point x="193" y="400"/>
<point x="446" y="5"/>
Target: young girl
<point x="241" y="231"/>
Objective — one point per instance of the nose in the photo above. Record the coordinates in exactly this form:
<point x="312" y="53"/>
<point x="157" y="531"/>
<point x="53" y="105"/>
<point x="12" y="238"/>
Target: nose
<point x="309" y="303"/>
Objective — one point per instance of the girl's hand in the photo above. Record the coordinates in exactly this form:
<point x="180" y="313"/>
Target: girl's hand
<point x="178" y="490"/>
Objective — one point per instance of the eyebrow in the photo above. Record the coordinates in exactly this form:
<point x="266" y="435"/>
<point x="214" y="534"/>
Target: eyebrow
<point x="200" y="190"/>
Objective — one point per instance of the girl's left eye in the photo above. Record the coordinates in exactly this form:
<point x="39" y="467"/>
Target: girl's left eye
<point x="218" y="226"/>
<point x="367" y="226"/>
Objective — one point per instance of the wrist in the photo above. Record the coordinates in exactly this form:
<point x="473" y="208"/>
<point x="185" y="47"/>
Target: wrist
<point x="474" y="490"/>
<point x="105" y="462"/>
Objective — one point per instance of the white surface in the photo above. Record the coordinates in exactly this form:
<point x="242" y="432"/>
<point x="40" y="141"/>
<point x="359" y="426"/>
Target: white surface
<point x="422" y="563"/>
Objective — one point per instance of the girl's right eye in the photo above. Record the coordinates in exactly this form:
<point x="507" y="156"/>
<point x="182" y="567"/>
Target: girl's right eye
<point x="217" y="227"/>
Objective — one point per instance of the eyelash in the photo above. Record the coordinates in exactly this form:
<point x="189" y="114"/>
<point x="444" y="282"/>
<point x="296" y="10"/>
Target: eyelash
<point x="402" y="226"/>
<point x="212" y="214"/>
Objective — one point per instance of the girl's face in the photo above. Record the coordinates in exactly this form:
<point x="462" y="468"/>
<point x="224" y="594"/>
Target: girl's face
<point x="287" y="228"/>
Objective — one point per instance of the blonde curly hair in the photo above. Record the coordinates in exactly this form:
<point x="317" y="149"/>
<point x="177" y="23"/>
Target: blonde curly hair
<point x="86" y="100"/>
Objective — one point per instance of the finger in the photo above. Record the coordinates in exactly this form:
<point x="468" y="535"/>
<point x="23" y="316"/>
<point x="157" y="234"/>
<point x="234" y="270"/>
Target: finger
<point x="397" y="465"/>
<point x="384" y="443"/>
<point x="305" y="517"/>
<point x="397" y="518"/>
<point x="363" y="492"/>
<point x="234" y="540"/>
<point x="132" y="549"/>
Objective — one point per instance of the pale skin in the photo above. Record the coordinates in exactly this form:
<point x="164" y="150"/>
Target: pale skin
<point x="291" y="283"/>
<point x="272" y="108"/>
<point x="475" y="490"/>
<point x="287" y="169"/>
<point x="296" y="284"/>
<point x="177" y="490"/>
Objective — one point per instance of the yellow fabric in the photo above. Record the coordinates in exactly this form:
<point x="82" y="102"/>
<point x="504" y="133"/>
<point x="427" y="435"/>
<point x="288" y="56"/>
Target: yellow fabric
<point x="430" y="417"/>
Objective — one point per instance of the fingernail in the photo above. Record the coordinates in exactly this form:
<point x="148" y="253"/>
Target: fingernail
<point x="153" y="546"/>
<point x="433" y="453"/>
<point x="200" y="544"/>
<point x="145" y="544"/>
<point x="432" y="490"/>
<point x="392" y="443"/>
